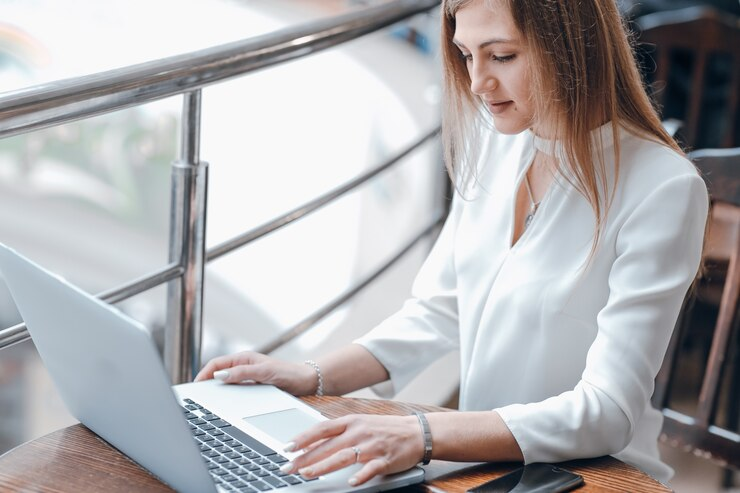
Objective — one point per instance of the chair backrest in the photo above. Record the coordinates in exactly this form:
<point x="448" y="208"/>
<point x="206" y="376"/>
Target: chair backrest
<point x="700" y="433"/>
<point x="697" y="60"/>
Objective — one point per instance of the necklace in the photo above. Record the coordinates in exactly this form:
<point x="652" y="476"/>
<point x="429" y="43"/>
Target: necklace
<point x="532" y="204"/>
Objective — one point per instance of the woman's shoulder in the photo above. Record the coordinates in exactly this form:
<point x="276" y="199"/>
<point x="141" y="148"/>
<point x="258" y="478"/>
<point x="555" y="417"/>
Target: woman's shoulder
<point x="647" y="161"/>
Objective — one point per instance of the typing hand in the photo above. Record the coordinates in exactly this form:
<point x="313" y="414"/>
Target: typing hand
<point x="297" y="379"/>
<point x="383" y="444"/>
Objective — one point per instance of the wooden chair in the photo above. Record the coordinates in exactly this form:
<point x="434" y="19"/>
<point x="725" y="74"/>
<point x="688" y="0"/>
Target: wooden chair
<point x="700" y="432"/>
<point x="696" y="52"/>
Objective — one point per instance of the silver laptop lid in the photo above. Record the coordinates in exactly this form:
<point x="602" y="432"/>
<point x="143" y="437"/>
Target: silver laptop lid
<point x="108" y="371"/>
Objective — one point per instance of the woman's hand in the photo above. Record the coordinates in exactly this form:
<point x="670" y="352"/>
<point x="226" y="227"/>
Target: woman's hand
<point x="294" y="378"/>
<point x="383" y="444"/>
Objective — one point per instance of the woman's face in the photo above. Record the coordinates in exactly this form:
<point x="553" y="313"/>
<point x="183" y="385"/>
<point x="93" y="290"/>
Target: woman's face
<point x="497" y="62"/>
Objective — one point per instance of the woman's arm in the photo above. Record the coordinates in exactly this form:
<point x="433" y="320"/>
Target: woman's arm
<point x="347" y="369"/>
<point x="350" y="368"/>
<point x="389" y="444"/>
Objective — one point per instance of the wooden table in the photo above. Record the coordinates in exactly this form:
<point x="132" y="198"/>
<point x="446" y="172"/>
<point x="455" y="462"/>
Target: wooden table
<point x="74" y="459"/>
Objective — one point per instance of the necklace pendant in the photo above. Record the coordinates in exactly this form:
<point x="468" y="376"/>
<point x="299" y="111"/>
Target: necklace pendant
<point x="528" y="220"/>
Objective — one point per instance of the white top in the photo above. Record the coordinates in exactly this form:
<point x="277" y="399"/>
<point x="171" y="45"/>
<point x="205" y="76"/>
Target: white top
<point x="565" y="353"/>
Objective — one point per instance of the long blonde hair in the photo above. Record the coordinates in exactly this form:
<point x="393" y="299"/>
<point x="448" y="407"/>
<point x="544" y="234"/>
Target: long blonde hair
<point x="583" y="72"/>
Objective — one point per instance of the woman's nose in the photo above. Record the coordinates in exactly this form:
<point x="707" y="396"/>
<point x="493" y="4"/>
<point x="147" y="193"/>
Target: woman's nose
<point x="481" y="82"/>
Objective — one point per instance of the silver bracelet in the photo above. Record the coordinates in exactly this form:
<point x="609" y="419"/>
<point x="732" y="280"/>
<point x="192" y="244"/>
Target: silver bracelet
<point x="315" y="366"/>
<point x="426" y="433"/>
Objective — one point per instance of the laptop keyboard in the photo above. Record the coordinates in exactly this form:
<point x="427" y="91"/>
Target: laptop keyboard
<point x="236" y="461"/>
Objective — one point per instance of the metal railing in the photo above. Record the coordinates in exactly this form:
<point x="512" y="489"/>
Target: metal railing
<point x="74" y="99"/>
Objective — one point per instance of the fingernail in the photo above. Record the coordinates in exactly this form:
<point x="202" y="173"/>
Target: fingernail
<point x="352" y="481"/>
<point x="287" y="467"/>
<point x="221" y="375"/>
<point x="289" y="447"/>
<point x="306" y="471"/>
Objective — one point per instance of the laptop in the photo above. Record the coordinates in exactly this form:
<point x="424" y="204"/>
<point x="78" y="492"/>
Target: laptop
<point x="196" y="437"/>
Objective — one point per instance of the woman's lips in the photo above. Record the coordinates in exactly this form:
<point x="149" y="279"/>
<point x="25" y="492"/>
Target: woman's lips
<point x="500" y="107"/>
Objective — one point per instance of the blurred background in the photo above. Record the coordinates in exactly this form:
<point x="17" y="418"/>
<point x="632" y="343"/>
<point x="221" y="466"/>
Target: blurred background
<point x="90" y="200"/>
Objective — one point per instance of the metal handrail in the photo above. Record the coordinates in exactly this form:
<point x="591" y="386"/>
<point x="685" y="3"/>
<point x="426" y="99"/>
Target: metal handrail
<point x="73" y="99"/>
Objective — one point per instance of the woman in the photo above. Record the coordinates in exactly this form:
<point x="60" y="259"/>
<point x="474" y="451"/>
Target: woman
<point x="575" y="233"/>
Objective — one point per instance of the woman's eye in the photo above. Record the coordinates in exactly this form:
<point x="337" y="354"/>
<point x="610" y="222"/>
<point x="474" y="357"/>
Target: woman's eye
<point x="503" y="59"/>
<point x="467" y="57"/>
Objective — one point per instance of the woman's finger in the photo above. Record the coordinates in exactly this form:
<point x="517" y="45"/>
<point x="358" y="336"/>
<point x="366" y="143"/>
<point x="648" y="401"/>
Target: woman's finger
<point x="369" y="471"/>
<point x="320" y="431"/>
<point x="214" y="365"/>
<point x="257" y="373"/>
<point x="319" y="451"/>
<point x="338" y="460"/>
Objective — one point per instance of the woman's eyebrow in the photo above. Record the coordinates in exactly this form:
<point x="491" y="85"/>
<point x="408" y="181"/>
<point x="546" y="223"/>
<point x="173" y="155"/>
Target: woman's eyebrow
<point x="486" y="43"/>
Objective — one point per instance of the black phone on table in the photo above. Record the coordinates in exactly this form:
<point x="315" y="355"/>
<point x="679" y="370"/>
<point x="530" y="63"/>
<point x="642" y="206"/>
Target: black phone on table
<point x="532" y="478"/>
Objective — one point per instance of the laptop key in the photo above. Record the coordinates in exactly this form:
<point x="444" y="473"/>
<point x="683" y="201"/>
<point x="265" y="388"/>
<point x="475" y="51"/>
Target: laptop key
<point x="216" y="432"/>
<point x="272" y="480"/>
<point x="261" y="486"/>
<point x="246" y="489"/>
<point x="292" y="480"/>
<point x="247" y="440"/>
<point x="277" y="458"/>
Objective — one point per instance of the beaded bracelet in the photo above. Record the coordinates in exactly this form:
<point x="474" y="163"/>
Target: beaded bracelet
<point x="315" y="366"/>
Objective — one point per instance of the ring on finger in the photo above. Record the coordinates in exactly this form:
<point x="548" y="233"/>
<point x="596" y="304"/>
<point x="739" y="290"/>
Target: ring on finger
<point x="357" y="452"/>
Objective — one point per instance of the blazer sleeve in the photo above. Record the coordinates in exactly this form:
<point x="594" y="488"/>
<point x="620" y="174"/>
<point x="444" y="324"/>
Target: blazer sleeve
<point x="426" y="327"/>
<point x="658" y="250"/>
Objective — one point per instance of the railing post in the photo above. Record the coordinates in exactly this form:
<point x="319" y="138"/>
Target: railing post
<point x="183" y="332"/>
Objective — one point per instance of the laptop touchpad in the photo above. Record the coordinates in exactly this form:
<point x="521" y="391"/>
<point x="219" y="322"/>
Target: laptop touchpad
<point x="283" y="425"/>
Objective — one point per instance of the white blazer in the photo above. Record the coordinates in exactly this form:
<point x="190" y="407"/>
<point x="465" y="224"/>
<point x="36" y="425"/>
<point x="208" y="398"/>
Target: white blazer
<point x="565" y="350"/>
